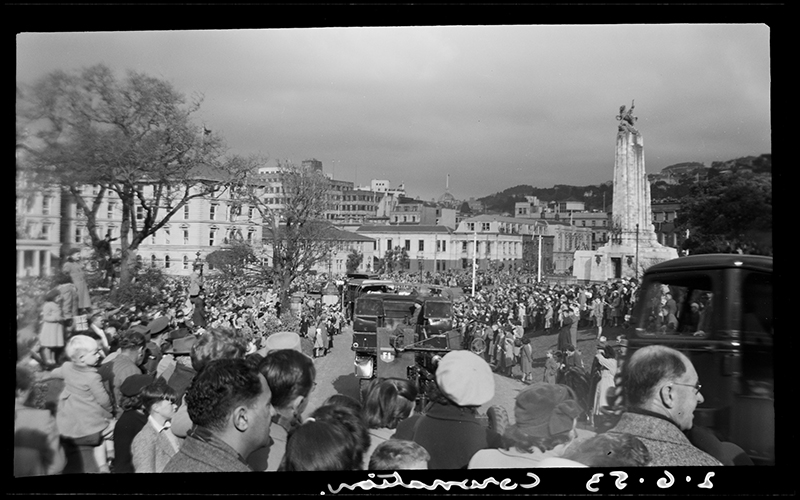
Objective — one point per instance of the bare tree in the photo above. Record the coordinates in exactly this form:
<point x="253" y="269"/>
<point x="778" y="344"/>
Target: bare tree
<point x="97" y="136"/>
<point x="291" y="200"/>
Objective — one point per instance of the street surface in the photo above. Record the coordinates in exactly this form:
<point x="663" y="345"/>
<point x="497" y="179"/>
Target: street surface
<point x="336" y="373"/>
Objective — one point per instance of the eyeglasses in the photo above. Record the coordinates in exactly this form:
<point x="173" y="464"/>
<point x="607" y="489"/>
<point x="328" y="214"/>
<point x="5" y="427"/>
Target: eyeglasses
<point x="696" y="386"/>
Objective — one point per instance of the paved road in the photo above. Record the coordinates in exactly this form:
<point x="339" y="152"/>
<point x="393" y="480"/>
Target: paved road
<point x="335" y="372"/>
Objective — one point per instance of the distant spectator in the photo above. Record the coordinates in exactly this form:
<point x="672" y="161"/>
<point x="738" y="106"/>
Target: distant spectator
<point x="37" y="443"/>
<point x="74" y="268"/>
<point x="397" y="454"/>
<point x="51" y="336"/>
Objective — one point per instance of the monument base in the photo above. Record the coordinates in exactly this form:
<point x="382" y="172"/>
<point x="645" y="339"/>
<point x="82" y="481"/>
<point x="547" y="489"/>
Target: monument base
<point x="614" y="261"/>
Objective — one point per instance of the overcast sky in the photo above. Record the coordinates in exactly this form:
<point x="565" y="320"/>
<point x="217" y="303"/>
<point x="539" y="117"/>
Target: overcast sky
<point x="492" y="106"/>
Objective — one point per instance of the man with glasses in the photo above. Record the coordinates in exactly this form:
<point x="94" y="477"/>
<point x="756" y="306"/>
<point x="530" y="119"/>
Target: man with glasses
<point x="661" y="390"/>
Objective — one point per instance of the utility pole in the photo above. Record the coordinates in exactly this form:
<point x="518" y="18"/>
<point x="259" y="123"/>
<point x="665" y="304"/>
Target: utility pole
<point x="474" y="259"/>
<point x="539" y="266"/>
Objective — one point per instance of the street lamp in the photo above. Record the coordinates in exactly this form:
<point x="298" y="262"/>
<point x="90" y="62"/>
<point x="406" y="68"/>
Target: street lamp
<point x="198" y="262"/>
<point x="637" y="252"/>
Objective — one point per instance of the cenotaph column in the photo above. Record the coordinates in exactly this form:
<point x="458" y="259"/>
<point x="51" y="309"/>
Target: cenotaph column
<point x="635" y="246"/>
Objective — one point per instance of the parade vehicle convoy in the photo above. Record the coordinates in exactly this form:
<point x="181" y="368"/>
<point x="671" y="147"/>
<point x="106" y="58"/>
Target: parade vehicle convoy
<point x="402" y="333"/>
<point x="724" y="325"/>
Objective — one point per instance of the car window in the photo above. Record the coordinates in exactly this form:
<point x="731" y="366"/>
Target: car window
<point x="677" y="305"/>
<point x="437" y="310"/>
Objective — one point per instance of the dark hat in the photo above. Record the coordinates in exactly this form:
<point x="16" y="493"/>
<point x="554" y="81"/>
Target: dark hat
<point x="182" y="345"/>
<point x="141" y="329"/>
<point x="134" y="384"/>
<point x="158" y="326"/>
<point x="179" y="333"/>
<point x="544" y="410"/>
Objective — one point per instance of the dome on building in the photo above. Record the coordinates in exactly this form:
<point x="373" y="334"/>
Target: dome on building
<point x="447" y="198"/>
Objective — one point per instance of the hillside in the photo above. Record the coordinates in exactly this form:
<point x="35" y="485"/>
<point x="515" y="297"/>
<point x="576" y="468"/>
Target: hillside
<point x="672" y="183"/>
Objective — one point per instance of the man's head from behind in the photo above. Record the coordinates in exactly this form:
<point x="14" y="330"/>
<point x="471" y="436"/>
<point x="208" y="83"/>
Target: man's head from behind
<point x="663" y="380"/>
<point x="230" y="398"/>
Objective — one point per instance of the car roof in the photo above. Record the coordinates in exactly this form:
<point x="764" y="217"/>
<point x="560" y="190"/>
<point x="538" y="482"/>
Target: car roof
<point x="714" y="261"/>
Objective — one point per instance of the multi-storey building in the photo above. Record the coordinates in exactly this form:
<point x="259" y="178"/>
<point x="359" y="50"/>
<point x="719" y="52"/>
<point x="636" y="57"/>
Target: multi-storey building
<point x="429" y="247"/>
<point x="38" y="229"/>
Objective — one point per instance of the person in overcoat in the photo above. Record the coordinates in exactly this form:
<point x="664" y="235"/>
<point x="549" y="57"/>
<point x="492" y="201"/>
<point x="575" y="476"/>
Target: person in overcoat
<point x="51" y="336"/>
<point x="74" y="268"/>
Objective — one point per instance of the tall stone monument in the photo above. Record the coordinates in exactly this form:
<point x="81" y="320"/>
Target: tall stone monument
<point x="633" y="246"/>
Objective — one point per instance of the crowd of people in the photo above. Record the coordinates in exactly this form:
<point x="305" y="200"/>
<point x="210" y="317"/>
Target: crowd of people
<point x="216" y="378"/>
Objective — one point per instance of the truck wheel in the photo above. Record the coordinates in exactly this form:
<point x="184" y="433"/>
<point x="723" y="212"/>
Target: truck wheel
<point x="498" y="418"/>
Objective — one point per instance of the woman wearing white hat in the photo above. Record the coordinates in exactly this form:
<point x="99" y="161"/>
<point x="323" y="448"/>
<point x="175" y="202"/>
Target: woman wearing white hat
<point x="450" y="429"/>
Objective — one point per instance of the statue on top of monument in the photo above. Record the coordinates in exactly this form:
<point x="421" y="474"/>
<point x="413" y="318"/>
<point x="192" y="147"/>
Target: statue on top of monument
<point x="626" y="120"/>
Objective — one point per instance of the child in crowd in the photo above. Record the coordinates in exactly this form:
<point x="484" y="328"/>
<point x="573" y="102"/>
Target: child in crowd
<point x="399" y="454"/>
<point x="51" y="335"/>
<point x="84" y="408"/>
<point x="155" y="444"/>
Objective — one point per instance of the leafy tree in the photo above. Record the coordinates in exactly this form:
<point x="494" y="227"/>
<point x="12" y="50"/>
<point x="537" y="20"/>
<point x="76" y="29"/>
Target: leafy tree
<point x="291" y="201"/>
<point x="233" y="260"/>
<point x="354" y="260"/>
<point x="132" y="138"/>
<point x="728" y="212"/>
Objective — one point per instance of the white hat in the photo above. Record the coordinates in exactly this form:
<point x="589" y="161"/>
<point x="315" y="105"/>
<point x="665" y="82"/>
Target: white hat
<point x="465" y="378"/>
<point x="282" y="340"/>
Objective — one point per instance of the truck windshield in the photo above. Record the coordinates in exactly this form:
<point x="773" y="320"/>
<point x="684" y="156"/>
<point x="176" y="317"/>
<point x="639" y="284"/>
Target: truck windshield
<point x="437" y="310"/>
<point x="367" y="307"/>
<point x="676" y="305"/>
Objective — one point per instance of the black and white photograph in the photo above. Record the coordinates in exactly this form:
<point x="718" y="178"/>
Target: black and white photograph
<point x="424" y="259"/>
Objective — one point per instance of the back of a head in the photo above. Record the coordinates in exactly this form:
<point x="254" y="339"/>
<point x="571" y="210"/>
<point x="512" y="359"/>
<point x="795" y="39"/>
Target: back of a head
<point x="321" y="445"/>
<point x="609" y="450"/>
<point x="157" y="391"/>
<point x="218" y="343"/>
<point x="388" y="401"/>
<point x="398" y="454"/>
<point x="218" y="389"/>
<point x="289" y="374"/>
<point x="645" y="370"/>
<point x="24" y="377"/>
<point x="131" y="340"/>
<point x="352" y="421"/>
<point x="344" y="400"/>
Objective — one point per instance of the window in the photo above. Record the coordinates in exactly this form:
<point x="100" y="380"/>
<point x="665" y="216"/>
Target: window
<point x="485" y="226"/>
<point x="213" y="212"/>
<point x="250" y="233"/>
<point x="421" y="245"/>
<point x="185" y="262"/>
<point x="153" y="261"/>
<point x="388" y="244"/>
<point x="408" y="245"/>
<point x="139" y="212"/>
<point x="166" y="261"/>
<point x="463" y="246"/>
<point x="46" y="201"/>
<point x="45" y="234"/>
<point x="185" y="236"/>
<point x="78" y="234"/>
<point x="110" y="211"/>
<point x="250" y="212"/>
<point x="186" y="212"/>
<point x="212" y="234"/>
<point x="470" y="226"/>
<point x="166" y="235"/>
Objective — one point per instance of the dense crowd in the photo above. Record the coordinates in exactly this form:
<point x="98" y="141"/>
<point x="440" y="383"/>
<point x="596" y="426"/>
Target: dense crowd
<point x="216" y="377"/>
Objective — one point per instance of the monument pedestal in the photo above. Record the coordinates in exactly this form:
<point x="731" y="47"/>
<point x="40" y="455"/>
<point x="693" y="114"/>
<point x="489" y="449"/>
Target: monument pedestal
<point x="618" y="261"/>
